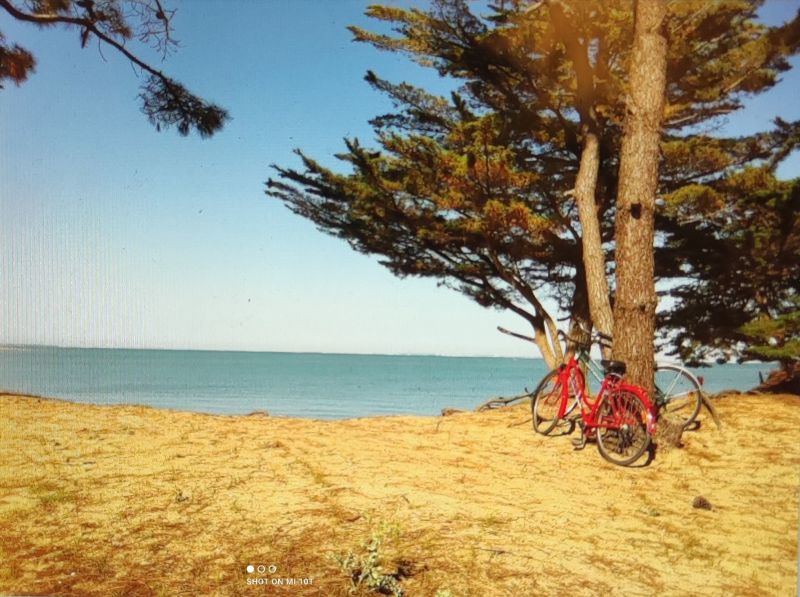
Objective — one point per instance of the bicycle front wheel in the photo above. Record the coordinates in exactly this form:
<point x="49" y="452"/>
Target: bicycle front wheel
<point x="546" y="403"/>
<point x="622" y="435"/>
<point x="678" y="394"/>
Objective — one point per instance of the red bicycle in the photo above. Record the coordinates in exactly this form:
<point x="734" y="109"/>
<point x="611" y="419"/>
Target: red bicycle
<point x="620" y="417"/>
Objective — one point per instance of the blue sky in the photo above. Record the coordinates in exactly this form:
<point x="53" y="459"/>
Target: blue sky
<point x="112" y="234"/>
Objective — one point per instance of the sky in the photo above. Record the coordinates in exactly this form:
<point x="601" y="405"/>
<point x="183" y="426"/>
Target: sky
<point x="115" y="235"/>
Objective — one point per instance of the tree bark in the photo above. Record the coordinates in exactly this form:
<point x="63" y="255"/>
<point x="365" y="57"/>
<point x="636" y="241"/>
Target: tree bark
<point x="580" y="318"/>
<point x="635" y="301"/>
<point x="593" y="257"/>
<point x="594" y="263"/>
<point x="546" y="343"/>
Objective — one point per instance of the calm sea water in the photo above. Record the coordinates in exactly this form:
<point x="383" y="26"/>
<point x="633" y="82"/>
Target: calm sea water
<point x="329" y="386"/>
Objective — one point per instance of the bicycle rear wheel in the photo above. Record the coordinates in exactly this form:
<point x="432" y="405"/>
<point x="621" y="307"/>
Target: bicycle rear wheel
<point x="678" y="394"/>
<point x="622" y="435"/>
<point x="546" y="403"/>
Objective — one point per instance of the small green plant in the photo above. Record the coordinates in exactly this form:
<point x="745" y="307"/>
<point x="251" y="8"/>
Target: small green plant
<point x="366" y="571"/>
<point x="50" y="494"/>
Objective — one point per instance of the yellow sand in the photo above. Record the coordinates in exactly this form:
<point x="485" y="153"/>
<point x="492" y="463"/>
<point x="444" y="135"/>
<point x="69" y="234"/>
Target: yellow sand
<point x="127" y="500"/>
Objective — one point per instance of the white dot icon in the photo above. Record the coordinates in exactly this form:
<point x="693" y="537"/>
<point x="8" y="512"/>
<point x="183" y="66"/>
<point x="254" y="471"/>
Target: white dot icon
<point x="250" y="568"/>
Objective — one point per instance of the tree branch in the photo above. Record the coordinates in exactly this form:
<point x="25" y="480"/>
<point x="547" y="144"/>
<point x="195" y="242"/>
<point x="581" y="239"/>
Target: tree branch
<point x="164" y="101"/>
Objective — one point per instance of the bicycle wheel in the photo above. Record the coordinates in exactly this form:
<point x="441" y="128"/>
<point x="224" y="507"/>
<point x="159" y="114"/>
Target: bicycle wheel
<point x="622" y="435"/>
<point x="546" y="403"/>
<point x="678" y="394"/>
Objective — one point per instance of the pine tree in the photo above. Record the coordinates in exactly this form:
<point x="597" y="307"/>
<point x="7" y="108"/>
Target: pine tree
<point x="494" y="190"/>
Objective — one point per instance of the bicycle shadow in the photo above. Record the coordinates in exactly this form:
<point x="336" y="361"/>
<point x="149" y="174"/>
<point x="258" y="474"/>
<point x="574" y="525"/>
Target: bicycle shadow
<point x="565" y="427"/>
<point x="651" y="455"/>
<point x="568" y="427"/>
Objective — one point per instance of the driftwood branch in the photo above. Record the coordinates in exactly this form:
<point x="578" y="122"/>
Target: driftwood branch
<point x="501" y="401"/>
<point x="711" y="409"/>
<point x="504" y="552"/>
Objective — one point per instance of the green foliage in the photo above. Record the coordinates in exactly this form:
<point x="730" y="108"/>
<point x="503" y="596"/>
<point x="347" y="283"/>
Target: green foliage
<point x="740" y="268"/>
<point x="474" y="189"/>
<point x="366" y="570"/>
<point x="775" y="338"/>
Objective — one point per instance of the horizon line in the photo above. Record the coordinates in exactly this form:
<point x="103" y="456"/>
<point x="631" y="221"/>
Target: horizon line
<point x="256" y="351"/>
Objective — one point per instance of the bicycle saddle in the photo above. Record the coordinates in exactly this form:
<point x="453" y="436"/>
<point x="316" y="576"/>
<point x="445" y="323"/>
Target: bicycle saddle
<point x="616" y="367"/>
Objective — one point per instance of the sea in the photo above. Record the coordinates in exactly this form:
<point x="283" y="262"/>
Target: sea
<point x="309" y="385"/>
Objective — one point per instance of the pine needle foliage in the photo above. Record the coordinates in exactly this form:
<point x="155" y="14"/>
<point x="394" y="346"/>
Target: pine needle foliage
<point x="475" y="189"/>
<point x="741" y="268"/>
<point x="115" y="24"/>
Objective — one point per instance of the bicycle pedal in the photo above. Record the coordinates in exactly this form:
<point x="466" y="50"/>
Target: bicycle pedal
<point x="579" y="444"/>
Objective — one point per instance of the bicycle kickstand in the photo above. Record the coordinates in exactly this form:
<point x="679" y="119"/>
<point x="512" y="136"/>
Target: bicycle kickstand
<point x="580" y="444"/>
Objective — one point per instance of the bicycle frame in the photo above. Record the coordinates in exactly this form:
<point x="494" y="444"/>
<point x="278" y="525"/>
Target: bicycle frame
<point x="571" y="379"/>
<point x="609" y="382"/>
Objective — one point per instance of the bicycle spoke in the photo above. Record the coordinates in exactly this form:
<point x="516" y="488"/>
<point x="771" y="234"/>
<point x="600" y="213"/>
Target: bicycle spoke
<point x="678" y="392"/>
<point x="671" y="386"/>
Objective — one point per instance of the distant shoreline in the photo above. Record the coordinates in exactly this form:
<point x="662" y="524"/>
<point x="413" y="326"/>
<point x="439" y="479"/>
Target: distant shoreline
<point x="309" y="385"/>
<point x="243" y="351"/>
<point x="21" y="347"/>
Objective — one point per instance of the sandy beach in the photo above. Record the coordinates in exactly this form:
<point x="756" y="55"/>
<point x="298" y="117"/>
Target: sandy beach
<point x="130" y="500"/>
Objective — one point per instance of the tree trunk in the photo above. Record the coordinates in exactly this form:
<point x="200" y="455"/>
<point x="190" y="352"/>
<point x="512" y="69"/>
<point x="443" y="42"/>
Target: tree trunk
<point x="545" y="345"/>
<point x="540" y="337"/>
<point x="594" y="262"/>
<point x="580" y="318"/>
<point x="545" y="331"/>
<point x="635" y="302"/>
